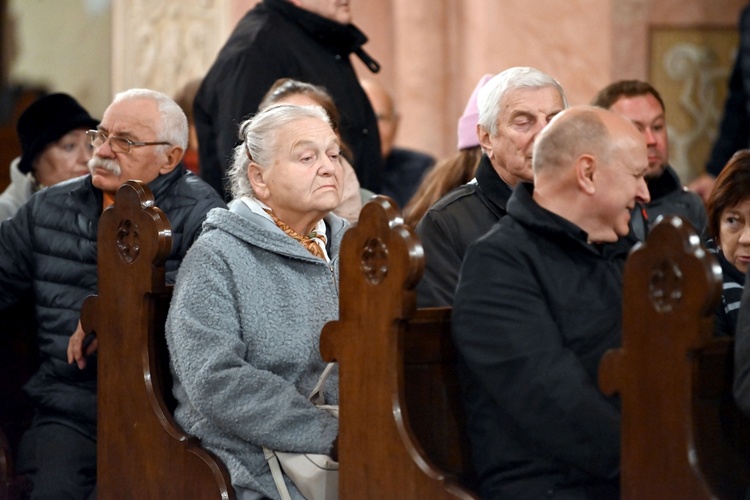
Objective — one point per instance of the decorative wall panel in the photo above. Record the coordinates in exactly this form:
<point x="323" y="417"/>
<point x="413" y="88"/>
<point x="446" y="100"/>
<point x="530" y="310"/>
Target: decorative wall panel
<point x="162" y="44"/>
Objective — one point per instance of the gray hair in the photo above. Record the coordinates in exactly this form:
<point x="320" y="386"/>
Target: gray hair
<point x="258" y="141"/>
<point x="490" y="97"/>
<point x="173" y="127"/>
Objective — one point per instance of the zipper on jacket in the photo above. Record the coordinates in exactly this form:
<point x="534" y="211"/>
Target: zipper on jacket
<point x="333" y="278"/>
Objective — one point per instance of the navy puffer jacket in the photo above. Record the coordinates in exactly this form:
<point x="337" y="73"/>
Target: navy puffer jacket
<point x="49" y="249"/>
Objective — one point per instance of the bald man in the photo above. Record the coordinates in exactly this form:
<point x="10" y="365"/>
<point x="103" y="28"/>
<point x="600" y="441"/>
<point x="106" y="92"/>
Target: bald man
<point x="404" y="168"/>
<point x="537" y="305"/>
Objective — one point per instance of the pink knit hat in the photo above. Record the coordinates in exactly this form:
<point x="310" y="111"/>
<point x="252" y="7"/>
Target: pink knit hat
<point x="467" y="124"/>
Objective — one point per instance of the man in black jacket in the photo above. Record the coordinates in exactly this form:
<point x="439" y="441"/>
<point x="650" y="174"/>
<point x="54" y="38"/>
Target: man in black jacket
<point x="642" y="104"/>
<point x="514" y="107"/>
<point x="49" y="249"/>
<point x="307" y="40"/>
<point x="537" y="305"/>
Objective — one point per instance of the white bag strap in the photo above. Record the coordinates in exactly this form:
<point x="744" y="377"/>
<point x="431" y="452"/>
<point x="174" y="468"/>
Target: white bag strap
<point x="316" y="396"/>
<point x="278" y="477"/>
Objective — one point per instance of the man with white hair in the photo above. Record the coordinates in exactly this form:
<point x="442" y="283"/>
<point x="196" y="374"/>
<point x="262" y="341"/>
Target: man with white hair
<point x="49" y="250"/>
<point x="514" y="106"/>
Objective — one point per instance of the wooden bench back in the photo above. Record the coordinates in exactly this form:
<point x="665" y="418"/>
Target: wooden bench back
<point x="682" y="435"/>
<point x="401" y="425"/>
<point x="141" y="451"/>
<point x="402" y="429"/>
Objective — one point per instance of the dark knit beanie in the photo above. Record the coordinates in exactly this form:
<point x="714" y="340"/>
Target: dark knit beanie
<point x="45" y="121"/>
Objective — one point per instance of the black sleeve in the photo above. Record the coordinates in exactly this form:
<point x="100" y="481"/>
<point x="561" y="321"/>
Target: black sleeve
<point x="442" y="263"/>
<point x="734" y="129"/>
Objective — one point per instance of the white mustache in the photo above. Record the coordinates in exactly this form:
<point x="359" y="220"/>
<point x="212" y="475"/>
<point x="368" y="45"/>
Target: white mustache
<point x="108" y="165"/>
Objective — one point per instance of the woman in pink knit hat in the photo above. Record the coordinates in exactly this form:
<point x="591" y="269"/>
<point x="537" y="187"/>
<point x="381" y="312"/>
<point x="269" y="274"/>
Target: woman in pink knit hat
<point x="453" y="171"/>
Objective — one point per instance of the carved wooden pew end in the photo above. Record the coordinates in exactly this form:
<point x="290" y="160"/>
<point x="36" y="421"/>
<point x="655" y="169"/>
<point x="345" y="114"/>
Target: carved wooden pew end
<point x="140" y="448"/>
<point x="682" y="435"/>
<point x="401" y="424"/>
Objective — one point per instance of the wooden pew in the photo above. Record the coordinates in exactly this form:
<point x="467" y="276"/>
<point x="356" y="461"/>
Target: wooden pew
<point x="141" y="451"/>
<point x="386" y="437"/>
<point x="401" y="429"/>
<point x="682" y="435"/>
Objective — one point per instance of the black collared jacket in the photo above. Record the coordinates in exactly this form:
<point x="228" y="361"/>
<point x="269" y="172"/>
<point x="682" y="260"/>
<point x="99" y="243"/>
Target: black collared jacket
<point x="453" y="223"/>
<point x="276" y="40"/>
<point x="535" y="309"/>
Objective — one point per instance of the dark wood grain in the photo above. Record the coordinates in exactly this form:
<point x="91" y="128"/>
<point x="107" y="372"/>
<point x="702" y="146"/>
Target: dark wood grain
<point x="682" y="435"/>
<point x="401" y="433"/>
<point x="141" y="451"/>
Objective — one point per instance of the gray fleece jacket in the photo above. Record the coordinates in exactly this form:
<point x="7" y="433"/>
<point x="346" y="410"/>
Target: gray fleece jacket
<point x="243" y="334"/>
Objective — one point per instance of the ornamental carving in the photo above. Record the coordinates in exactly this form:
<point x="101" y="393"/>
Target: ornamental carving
<point x="374" y="262"/>
<point x="665" y="286"/>
<point x="128" y="241"/>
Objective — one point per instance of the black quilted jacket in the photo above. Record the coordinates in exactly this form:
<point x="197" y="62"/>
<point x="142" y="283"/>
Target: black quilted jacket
<point x="49" y="249"/>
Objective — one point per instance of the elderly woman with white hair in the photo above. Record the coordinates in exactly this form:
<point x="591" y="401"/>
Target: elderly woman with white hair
<point x="252" y="296"/>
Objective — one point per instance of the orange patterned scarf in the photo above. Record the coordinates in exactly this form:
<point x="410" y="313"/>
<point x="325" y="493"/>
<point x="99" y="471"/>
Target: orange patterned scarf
<point x="308" y="241"/>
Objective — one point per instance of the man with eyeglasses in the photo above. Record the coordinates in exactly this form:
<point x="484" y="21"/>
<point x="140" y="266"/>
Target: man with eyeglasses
<point x="49" y="250"/>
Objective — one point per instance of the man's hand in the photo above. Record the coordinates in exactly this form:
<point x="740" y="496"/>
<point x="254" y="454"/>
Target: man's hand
<point x="702" y="185"/>
<point x="76" y="350"/>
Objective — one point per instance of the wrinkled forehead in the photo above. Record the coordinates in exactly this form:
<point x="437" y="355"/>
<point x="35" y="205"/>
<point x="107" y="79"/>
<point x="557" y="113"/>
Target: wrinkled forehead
<point x="134" y="117"/>
<point x="304" y="130"/>
<point x="526" y="97"/>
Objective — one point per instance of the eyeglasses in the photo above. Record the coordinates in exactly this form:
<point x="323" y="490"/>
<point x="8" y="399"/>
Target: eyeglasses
<point x="118" y="144"/>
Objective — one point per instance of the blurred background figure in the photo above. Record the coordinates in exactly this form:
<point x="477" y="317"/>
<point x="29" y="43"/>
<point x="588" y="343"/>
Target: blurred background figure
<point x="450" y="172"/>
<point x="404" y="168"/>
<point x="185" y="98"/>
<point x="308" y="40"/>
<point x="734" y="128"/>
<point x="54" y="148"/>
<point x="289" y="91"/>
<point x="729" y="229"/>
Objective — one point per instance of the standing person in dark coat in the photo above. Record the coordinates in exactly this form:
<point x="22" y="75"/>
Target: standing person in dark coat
<point x="734" y="128"/>
<point x="49" y="249"/>
<point x="514" y="107"/>
<point x="307" y="40"/>
<point x="539" y="302"/>
<point x="642" y="104"/>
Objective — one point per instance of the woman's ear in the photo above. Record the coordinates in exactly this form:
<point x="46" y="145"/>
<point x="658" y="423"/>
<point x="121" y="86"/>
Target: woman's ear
<point x="256" y="176"/>
<point x="586" y="171"/>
